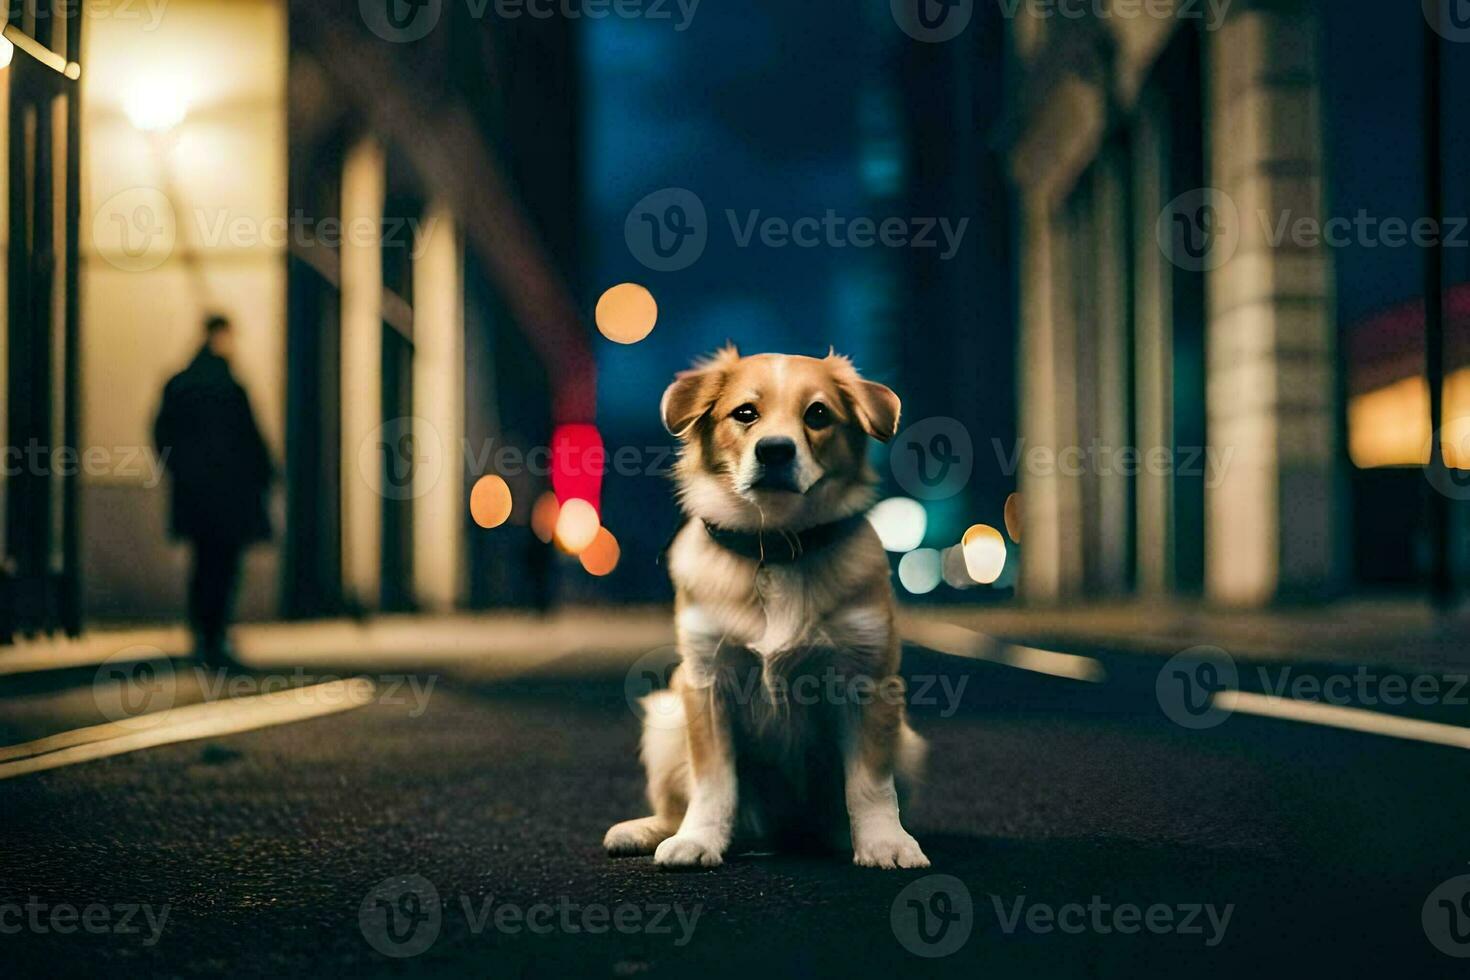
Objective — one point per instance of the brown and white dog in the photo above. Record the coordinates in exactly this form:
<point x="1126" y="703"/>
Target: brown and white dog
<point x="784" y="721"/>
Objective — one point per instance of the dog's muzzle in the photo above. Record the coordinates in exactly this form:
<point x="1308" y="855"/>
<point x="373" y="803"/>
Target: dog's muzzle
<point x="776" y="460"/>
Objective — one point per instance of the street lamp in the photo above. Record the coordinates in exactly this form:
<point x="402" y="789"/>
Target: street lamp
<point x="156" y="105"/>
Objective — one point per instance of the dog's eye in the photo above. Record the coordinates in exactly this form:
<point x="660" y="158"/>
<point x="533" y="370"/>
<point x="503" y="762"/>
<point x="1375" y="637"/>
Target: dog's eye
<point x="745" y="414"/>
<point x="818" y="416"/>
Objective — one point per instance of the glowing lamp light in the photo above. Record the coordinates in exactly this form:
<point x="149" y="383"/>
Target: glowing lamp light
<point x="626" y="313"/>
<point x="577" y="463"/>
<point x="601" y="556"/>
<point x="7" y="51"/>
<point x="544" y="515"/>
<point x="985" y="553"/>
<point x="490" y="501"/>
<point x="900" y="523"/>
<point x="576" y="526"/>
<point x="920" y="571"/>
<point x="1454" y="440"/>
<point x="154" y="106"/>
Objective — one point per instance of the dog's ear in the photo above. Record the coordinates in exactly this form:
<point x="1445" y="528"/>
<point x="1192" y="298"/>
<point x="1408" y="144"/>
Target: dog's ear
<point x="694" y="392"/>
<point x="878" y="408"/>
<point x="875" y="406"/>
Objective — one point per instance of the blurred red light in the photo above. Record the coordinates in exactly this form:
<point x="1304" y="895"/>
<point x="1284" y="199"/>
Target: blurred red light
<point x="578" y="462"/>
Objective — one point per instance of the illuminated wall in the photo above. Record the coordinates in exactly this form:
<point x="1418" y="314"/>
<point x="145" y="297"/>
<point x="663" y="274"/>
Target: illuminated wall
<point x="183" y="211"/>
<point x="4" y="285"/>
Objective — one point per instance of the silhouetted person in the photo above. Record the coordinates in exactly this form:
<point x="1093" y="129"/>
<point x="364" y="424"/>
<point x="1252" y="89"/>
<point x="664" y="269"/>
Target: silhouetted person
<point x="220" y="471"/>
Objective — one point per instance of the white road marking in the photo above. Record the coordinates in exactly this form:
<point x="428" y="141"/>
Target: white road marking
<point x="961" y="642"/>
<point x="1338" y="716"/>
<point x="1071" y="665"/>
<point x="207" y="719"/>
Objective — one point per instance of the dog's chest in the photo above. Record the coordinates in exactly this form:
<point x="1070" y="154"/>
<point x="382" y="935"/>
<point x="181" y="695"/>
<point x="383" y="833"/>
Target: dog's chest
<point x="782" y="609"/>
<point x="828" y="600"/>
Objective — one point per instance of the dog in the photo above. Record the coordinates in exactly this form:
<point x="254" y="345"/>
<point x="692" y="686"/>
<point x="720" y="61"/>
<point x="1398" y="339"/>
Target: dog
<point x="783" y="723"/>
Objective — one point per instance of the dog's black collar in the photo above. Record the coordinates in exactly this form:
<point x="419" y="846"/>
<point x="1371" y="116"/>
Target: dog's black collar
<point x="784" y="547"/>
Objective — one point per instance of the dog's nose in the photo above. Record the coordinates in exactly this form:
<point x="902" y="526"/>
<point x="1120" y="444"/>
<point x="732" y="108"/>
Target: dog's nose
<point x="775" y="450"/>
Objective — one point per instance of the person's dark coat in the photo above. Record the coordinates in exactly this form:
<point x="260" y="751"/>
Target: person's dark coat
<point x="214" y="452"/>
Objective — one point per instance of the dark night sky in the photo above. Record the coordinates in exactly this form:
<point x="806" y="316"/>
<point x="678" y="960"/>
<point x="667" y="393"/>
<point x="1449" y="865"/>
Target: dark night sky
<point x="754" y="106"/>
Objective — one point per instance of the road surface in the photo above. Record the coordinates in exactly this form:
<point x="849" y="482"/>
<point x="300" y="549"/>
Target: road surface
<point x="454" y="827"/>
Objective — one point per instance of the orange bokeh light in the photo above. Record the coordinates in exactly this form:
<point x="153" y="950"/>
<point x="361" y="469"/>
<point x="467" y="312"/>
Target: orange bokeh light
<point x="490" y="501"/>
<point x="544" y="515"/>
<point x="985" y="553"/>
<point x="601" y="556"/>
<point x="576" y="526"/>
<point x="1013" y="517"/>
<point x="626" y="313"/>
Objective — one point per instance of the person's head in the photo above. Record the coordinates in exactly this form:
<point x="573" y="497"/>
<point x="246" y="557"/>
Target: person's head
<point x="219" y="336"/>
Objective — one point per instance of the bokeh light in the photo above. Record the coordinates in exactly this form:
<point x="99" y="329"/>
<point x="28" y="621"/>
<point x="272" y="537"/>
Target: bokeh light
<point x="578" y="462"/>
<point x="956" y="575"/>
<point x="919" y="571"/>
<point x="490" y="501"/>
<point x="626" y="313"/>
<point x="1013" y="517"/>
<point x="601" y="556"/>
<point x="576" y="526"/>
<point x="155" y="104"/>
<point x="544" y="515"/>
<point x="900" y="523"/>
<point x="985" y="553"/>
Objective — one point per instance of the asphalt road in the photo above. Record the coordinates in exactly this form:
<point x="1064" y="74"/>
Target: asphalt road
<point x="1074" y="831"/>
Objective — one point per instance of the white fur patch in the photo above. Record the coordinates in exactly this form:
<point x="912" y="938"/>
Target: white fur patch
<point x="697" y="625"/>
<point x="865" y="629"/>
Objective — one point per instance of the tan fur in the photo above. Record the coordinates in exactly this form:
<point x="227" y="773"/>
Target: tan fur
<point x="734" y="759"/>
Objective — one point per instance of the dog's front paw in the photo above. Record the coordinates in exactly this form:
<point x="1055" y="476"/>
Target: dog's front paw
<point x="687" y="852"/>
<point x="898" y="850"/>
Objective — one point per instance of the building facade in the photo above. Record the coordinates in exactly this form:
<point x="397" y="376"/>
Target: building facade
<point x="388" y="218"/>
<point x="1206" y="327"/>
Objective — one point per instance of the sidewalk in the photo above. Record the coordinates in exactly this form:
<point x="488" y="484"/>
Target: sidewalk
<point x="1392" y="635"/>
<point x="1389" y="634"/>
<point x="480" y="643"/>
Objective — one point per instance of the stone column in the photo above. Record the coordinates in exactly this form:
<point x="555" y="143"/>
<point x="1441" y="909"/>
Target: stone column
<point x="363" y="182"/>
<point x="1270" y="507"/>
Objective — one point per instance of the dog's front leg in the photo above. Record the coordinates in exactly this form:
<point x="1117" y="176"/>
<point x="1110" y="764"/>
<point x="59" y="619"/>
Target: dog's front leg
<point x="709" y="821"/>
<point x="869" y="750"/>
